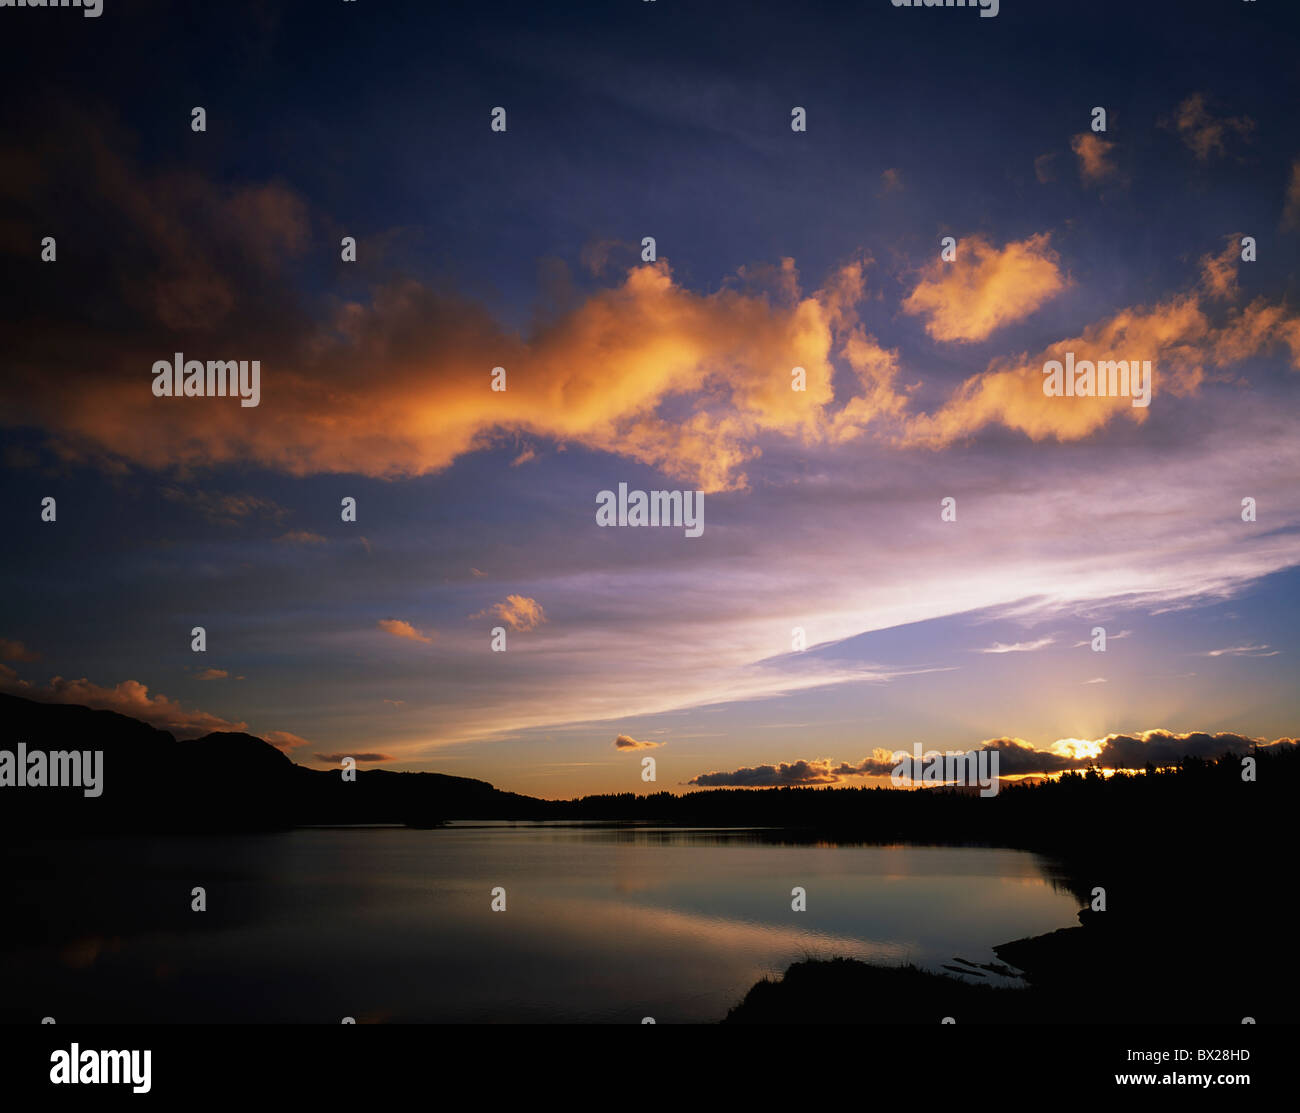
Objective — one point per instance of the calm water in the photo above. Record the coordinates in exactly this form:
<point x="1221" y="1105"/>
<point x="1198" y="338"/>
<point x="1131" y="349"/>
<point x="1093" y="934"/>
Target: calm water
<point x="393" y="924"/>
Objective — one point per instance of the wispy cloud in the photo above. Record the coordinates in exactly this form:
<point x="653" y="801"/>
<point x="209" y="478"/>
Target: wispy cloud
<point x="284" y="740"/>
<point x="1018" y="647"/>
<point x="1243" y="651"/>
<point x="1204" y="133"/>
<point x="226" y="509"/>
<point x="400" y="628"/>
<point x="1109" y="638"/>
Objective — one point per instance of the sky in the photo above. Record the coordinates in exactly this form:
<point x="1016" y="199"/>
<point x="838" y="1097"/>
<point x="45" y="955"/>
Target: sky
<point x="827" y="614"/>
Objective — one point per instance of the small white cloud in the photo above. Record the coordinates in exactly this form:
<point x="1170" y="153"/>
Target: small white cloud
<point x="1018" y="647"/>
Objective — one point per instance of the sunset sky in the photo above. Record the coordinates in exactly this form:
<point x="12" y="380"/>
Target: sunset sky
<point x="776" y="249"/>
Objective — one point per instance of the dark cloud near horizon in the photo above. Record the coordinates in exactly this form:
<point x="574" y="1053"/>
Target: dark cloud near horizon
<point x="769" y="776"/>
<point x="1162" y="747"/>
<point x="1015" y="758"/>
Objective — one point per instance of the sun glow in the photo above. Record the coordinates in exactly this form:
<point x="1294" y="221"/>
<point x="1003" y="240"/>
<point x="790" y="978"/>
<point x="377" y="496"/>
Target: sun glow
<point x="1077" y="748"/>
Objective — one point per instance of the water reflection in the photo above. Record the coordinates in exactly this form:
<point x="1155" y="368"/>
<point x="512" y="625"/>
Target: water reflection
<point x="604" y="922"/>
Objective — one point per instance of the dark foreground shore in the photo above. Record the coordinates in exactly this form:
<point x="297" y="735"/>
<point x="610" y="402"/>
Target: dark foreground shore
<point x="1162" y="961"/>
<point x="1185" y="882"/>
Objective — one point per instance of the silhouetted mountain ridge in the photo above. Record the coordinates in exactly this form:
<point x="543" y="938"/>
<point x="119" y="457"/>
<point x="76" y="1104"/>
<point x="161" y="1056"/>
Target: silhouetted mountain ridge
<point x="225" y="780"/>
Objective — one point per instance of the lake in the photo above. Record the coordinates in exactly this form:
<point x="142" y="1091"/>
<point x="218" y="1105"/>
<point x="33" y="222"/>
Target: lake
<point x="602" y="923"/>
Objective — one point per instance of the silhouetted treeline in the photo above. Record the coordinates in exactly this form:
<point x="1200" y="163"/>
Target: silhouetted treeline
<point x="1048" y="814"/>
<point x="236" y="781"/>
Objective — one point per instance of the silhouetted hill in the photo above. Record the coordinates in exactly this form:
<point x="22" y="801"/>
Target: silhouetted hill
<point x="420" y="799"/>
<point x="222" y="781"/>
<point x="845" y="991"/>
<point x="248" y="751"/>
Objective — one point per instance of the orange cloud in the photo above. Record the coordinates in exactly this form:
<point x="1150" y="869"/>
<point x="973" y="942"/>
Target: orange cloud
<point x="1185" y="348"/>
<point x="518" y="612"/>
<point x="1219" y="272"/>
<point x="597" y="376"/>
<point x="284" y="741"/>
<point x="983" y="288"/>
<point x="400" y="384"/>
<point x="402" y="629"/>
<point x="11" y="650"/>
<point x="1094" y="157"/>
<point x="1203" y="133"/>
<point x="876" y="368"/>
<point x="130" y="697"/>
<point x="626" y="742"/>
